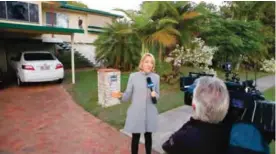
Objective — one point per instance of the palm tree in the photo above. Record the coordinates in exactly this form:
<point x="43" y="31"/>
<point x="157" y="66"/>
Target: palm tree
<point x="186" y="15"/>
<point x="164" y="23"/>
<point x="150" y="31"/>
<point x="116" y="49"/>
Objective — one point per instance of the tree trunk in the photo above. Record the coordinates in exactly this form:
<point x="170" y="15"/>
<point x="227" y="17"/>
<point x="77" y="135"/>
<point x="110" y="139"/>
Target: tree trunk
<point x="117" y="62"/>
<point x="143" y="49"/>
<point x="160" y="53"/>
<point x="238" y="63"/>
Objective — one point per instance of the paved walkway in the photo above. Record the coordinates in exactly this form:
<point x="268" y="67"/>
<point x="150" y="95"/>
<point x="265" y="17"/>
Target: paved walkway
<point x="168" y="122"/>
<point x="45" y="120"/>
<point x="265" y="82"/>
<point x="172" y="120"/>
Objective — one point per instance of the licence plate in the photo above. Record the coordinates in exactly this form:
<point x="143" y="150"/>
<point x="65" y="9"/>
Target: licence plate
<point x="44" y="67"/>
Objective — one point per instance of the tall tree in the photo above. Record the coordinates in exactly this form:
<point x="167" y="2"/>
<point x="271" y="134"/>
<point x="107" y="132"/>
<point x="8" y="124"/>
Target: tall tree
<point x="162" y="23"/>
<point x="247" y="11"/>
<point x="181" y="11"/>
<point x="116" y="49"/>
<point x="149" y="31"/>
<point x="234" y="38"/>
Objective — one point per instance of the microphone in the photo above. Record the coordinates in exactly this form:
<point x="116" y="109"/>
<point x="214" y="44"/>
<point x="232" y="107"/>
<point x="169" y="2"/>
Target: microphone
<point x="150" y="85"/>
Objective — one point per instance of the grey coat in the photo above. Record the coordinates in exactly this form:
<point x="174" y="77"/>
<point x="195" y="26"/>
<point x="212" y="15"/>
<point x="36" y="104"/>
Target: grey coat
<point x="142" y="114"/>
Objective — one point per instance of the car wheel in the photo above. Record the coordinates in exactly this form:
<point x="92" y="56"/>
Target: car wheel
<point x="19" y="82"/>
<point x="59" y="81"/>
<point x="1" y="85"/>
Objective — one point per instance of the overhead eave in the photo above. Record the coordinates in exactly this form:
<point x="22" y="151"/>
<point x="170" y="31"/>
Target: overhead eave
<point x="38" y="28"/>
<point x="75" y="8"/>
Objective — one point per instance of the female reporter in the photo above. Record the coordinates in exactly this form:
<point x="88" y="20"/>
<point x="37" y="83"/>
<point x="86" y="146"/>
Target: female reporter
<point x="142" y="114"/>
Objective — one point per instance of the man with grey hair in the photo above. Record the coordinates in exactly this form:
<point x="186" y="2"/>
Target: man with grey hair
<point x="204" y="133"/>
<point x="210" y="100"/>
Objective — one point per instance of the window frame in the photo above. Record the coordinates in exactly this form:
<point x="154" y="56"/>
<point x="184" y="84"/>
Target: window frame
<point x="56" y="18"/>
<point x="28" y="9"/>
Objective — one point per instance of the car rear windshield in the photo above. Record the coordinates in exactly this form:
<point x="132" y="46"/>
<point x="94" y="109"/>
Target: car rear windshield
<point x="38" y="56"/>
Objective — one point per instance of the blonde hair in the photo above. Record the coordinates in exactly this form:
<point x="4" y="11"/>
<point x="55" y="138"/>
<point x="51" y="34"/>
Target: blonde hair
<point x="143" y="59"/>
<point x="211" y="99"/>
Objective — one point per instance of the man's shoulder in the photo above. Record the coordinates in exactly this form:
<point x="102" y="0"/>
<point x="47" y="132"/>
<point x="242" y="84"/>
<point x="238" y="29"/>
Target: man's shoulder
<point x="189" y="129"/>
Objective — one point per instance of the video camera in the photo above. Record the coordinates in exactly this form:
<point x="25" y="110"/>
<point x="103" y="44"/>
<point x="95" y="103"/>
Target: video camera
<point x="246" y="102"/>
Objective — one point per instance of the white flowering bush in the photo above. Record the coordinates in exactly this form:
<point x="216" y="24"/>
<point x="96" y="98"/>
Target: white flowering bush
<point x="268" y="65"/>
<point x="209" y="70"/>
<point x="200" y="56"/>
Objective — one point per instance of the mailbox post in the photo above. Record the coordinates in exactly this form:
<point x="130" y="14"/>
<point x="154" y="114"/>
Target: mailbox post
<point x="108" y="81"/>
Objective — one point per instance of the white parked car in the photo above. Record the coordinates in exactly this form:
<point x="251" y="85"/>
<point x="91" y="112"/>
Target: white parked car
<point x="37" y="66"/>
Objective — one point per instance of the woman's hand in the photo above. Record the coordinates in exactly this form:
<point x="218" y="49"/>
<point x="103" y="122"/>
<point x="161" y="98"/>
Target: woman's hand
<point x="117" y="94"/>
<point x="153" y="94"/>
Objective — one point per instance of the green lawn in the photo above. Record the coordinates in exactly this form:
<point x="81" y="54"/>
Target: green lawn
<point x="85" y="93"/>
<point x="270" y="95"/>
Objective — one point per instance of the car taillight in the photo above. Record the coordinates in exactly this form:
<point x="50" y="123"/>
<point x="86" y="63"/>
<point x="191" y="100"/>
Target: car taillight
<point x="28" y="67"/>
<point x="59" y="66"/>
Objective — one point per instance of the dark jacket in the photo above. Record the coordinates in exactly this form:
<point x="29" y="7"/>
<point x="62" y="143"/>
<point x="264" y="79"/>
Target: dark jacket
<point x="197" y="137"/>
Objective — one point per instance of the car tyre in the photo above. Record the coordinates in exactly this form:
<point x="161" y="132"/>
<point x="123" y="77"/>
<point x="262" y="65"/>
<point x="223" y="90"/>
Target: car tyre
<point x="59" y="81"/>
<point x="19" y="82"/>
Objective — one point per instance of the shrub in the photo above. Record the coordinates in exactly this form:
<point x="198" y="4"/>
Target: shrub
<point x="199" y="55"/>
<point x="268" y="65"/>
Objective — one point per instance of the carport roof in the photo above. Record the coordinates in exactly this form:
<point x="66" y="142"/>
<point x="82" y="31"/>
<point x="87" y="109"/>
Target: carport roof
<point x="76" y="8"/>
<point x="39" y="29"/>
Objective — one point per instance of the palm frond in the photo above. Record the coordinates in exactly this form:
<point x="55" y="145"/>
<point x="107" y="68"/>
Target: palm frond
<point x="141" y="21"/>
<point x="124" y="31"/>
<point x="179" y="4"/>
<point x="166" y="21"/>
<point x="172" y="31"/>
<point x="166" y="36"/>
<point x="190" y="15"/>
<point x="172" y="9"/>
<point x="129" y="13"/>
<point x="150" y="8"/>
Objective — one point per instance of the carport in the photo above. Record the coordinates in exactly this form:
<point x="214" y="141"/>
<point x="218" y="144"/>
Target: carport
<point x="37" y="30"/>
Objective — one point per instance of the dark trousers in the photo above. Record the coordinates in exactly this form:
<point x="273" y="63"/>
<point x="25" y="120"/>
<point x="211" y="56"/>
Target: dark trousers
<point x="135" y="143"/>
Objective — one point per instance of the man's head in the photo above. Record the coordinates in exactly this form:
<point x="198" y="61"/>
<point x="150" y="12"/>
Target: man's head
<point x="210" y="99"/>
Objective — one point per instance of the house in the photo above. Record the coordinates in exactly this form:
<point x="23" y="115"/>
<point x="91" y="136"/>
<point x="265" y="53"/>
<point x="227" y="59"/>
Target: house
<point x="48" y="25"/>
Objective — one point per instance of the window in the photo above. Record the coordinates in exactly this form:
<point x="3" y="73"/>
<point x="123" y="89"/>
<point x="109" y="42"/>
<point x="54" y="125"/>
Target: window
<point x="38" y="56"/>
<point x="34" y="13"/>
<point x="3" y="9"/>
<point x="17" y="10"/>
<point x="57" y="19"/>
<point x="51" y="18"/>
<point x="62" y="20"/>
